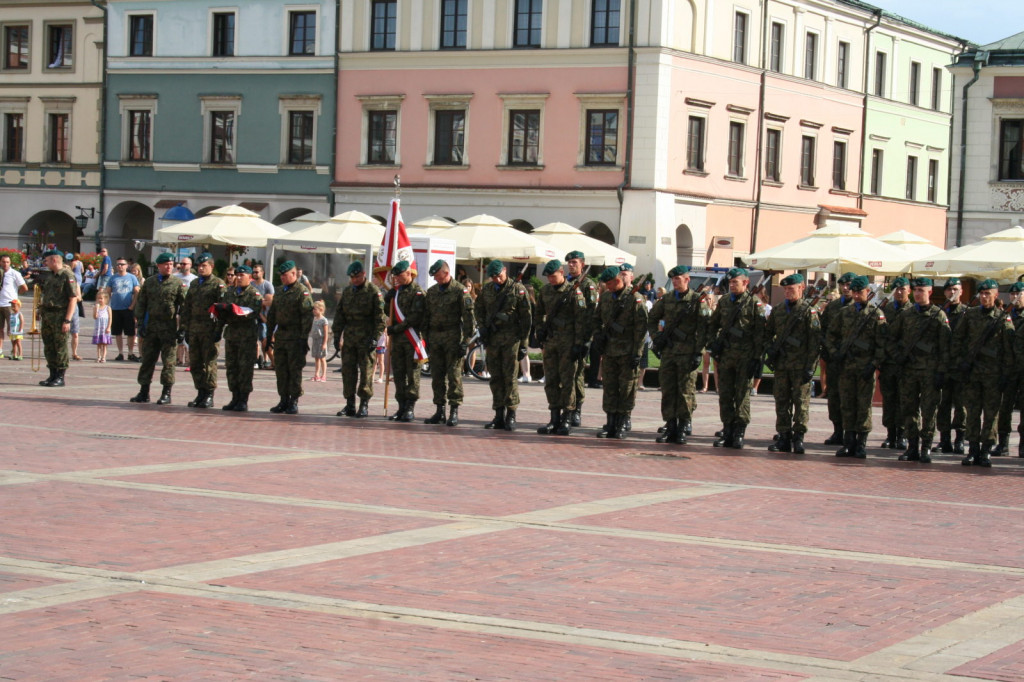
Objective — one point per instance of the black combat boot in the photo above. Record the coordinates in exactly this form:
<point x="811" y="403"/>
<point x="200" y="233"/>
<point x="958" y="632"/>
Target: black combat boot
<point x="837" y="437"/>
<point x="982" y="459"/>
<point x="619" y="424"/>
<point x="724" y="437"/>
<point x="738" y="433"/>
<point x="901" y="439"/>
<point x="200" y="397"/>
<point x="798" y="443"/>
<point x="364" y="408"/>
<point x="279" y="408"/>
<point x="409" y="414"/>
<point x="687" y="427"/>
<point x="926" y="448"/>
<point x="350" y="408"/>
<point x="399" y="411"/>
<point x="552" y="424"/>
<point x="861" y="440"/>
<point x="627" y="422"/>
<point x="890" y="439"/>
<point x="207" y="400"/>
<point x="608" y="427"/>
<point x="510" y="420"/>
<point x="234" y="401"/>
<point x="913" y="451"/>
<point x="499" y="419"/>
<point x="958" y="442"/>
<point x="242" y="405"/>
<point x="1003" y="449"/>
<point x="165" y="396"/>
<point x="58" y="378"/>
<point x="848" y="445"/>
<point x="142" y="396"/>
<point x="49" y="379"/>
<point x="945" y="442"/>
<point x="671" y="432"/>
<point x="453" y="415"/>
<point x="293" y="405"/>
<point x="783" y="444"/>
<point x="973" y="452"/>
<point x="437" y="417"/>
<point x="575" y="418"/>
<point x="564" y="428"/>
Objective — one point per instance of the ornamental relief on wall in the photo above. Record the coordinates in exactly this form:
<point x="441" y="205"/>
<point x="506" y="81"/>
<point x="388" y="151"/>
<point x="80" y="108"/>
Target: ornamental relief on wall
<point x="1008" y="197"/>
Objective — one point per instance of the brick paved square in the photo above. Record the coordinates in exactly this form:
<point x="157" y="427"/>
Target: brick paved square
<point x="1005" y="665"/>
<point x="12" y="582"/>
<point x="137" y="530"/>
<point x="154" y="636"/>
<point x="768" y="601"/>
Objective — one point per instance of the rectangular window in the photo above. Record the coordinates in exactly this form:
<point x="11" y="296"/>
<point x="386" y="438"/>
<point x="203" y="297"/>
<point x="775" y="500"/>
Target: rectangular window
<point x="300" y="138"/>
<point x="811" y="56"/>
<point x="16" y="47"/>
<point x="453" y="24"/>
<point x="695" y="143"/>
<point x="807" y="161"/>
<point x="880" y="74"/>
<point x="139" y="127"/>
<point x="222" y="137"/>
<point x="524" y="137"/>
<point x="449" y="137"/>
<point x="604" y="23"/>
<point x="224" y="34"/>
<point x="936" y="89"/>
<point x="14" y="138"/>
<point x="301" y="33"/>
<point x="843" y="65"/>
<point x="383" y="133"/>
<point x="529" y="14"/>
<point x="739" y="38"/>
<point x="911" y="192"/>
<point x="772" y="155"/>
<point x="384" y="24"/>
<point x="140" y="39"/>
<point x="778" y="38"/>
<point x="1011" y="149"/>
<point x="60" y="46"/>
<point x="60" y="131"/>
<point x="876" y="172"/>
<point x="736" y="148"/>
<point x="915" y="83"/>
<point x="933" y="181"/>
<point x="602" y="137"/>
<point x="839" y="165"/>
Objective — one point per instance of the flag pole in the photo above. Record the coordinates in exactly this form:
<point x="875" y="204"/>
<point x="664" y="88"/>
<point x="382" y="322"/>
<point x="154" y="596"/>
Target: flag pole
<point x="391" y="316"/>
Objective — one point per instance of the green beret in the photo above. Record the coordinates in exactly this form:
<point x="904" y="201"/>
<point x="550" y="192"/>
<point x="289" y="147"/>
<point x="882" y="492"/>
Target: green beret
<point x="795" y="278"/>
<point x="575" y="254"/>
<point x="1016" y="287"/>
<point x="438" y="265"/>
<point x="53" y="252"/>
<point x="243" y="270"/>
<point x="609" y="273"/>
<point x="921" y="282"/>
<point x="203" y="257"/>
<point x="551" y="267"/>
<point x="285" y="267"/>
<point x="679" y="270"/>
<point x="494" y="268"/>
<point x="736" y="272"/>
<point x="626" y="266"/>
<point x="354" y="268"/>
<point x="951" y="282"/>
<point x="165" y="257"/>
<point x="847" y="278"/>
<point x="859" y="283"/>
<point x="400" y="267"/>
<point x="900" y="282"/>
<point x="988" y="284"/>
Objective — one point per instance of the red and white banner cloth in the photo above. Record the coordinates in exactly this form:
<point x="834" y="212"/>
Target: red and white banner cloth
<point x="395" y="248"/>
<point x="419" y="347"/>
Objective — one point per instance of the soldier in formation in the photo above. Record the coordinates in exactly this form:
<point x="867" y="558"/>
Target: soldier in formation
<point x="890" y="372"/>
<point x="952" y="417"/>
<point x="157" y="308"/>
<point x="1014" y="390"/>
<point x="201" y="330"/>
<point x="289" y="320"/>
<point x="828" y="315"/>
<point x="57" y="304"/>
<point x="449" y="324"/>
<point x="406" y="303"/>
<point x="240" y="328"/>
<point x="622" y="324"/>
<point x="575" y="266"/>
<point x="359" y="320"/>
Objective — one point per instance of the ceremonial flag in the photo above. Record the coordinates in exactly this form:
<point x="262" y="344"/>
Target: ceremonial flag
<point x="395" y="248"/>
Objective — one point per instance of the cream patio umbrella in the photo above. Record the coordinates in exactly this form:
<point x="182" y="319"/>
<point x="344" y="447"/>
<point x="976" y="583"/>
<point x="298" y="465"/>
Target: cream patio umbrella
<point x="999" y="255"/>
<point x="428" y="227"/>
<point x="484" y="236"/>
<point x="229" y="225"/>
<point x="835" y="249"/>
<point x="304" y="221"/>
<point x="915" y="245"/>
<point x="348" y="232"/>
<point x="565" y="238"/>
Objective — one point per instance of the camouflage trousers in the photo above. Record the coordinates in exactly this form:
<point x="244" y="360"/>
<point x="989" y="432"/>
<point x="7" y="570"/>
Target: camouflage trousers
<point x="55" y="341"/>
<point x="982" y="405"/>
<point x="734" y="391"/>
<point x="202" y="356"/>
<point x="678" y="387"/>
<point x="160" y="341"/>
<point x="405" y="370"/>
<point x="835" y="408"/>
<point x="356" y="370"/>
<point x="289" y="361"/>
<point x="503" y="364"/>
<point x="951" y="401"/>
<point x="580" y="379"/>
<point x="560" y="375"/>
<point x="920" y="404"/>
<point x="239" y="358"/>
<point x="1012" y="400"/>
<point x="889" y="380"/>
<point x="446" y="361"/>
<point x="620" y="381"/>
<point x="856" y="393"/>
<point x="792" y="401"/>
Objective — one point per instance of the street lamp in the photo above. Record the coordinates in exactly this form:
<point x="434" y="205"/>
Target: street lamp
<point x="82" y="221"/>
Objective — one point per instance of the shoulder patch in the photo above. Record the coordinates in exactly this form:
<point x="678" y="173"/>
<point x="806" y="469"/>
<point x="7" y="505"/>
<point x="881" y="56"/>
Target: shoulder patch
<point x="305" y="292"/>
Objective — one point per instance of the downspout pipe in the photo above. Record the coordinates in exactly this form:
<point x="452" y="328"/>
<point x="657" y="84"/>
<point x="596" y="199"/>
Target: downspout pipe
<point x="331" y="201"/>
<point x="864" y="108"/>
<point x="758" y="151"/>
<point x="103" y="127"/>
<point x="980" y="59"/>
<point x="627" y="164"/>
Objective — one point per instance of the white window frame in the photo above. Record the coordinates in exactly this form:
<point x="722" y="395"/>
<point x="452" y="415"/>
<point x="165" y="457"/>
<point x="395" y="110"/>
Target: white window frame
<point x="126" y="103"/>
<point x="380" y="103"/>
<point x="14" y="105"/>
<point x="818" y="75"/>
<point x="737" y="11"/>
<point x="288" y="11"/>
<point x="782" y="44"/>
<point x="517" y="102"/>
<point x="128" y="33"/>
<point x="211" y="37"/>
<point x="435" y="103"/>
<point x="604" y="101"/>
<point x="286" y="104"/>
<point x="209" y="104"/>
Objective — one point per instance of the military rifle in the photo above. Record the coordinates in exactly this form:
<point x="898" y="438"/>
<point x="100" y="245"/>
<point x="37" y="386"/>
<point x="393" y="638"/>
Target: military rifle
<point x="499" y="303"/>
<point x="671" y="333"/>
<point x="544" y="332"/>
<point x="720" y="344"/>
<point x="601" y="336"/>
<point x="840" y="355"/>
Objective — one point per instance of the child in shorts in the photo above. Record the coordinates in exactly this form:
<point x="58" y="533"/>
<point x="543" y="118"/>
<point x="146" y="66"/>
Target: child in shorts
<point x="17" y="329"/>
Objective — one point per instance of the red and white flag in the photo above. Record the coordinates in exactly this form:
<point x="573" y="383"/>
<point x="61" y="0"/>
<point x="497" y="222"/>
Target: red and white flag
<point x="395" y="248"/>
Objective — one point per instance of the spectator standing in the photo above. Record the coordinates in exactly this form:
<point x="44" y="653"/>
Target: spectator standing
<point x="89" y="280"/>
<point x="106" y="269"/>
<point x="318" y="346"/>
<point x="101" y="335"/>
<point x="11" y="284"/>
<point x="78" y="272"/>
<point x="123" y="289"/>
<point x="17" y="329"/>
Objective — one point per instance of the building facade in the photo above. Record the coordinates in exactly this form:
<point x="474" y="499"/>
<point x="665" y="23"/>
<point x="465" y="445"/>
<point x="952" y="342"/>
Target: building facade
<point x="988" y="139"/>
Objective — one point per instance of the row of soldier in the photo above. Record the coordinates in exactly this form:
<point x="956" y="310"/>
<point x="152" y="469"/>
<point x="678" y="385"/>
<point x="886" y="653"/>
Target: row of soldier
<point x="932" y="362"/>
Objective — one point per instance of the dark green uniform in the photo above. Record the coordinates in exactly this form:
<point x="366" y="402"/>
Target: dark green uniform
<point x="951" y="400"/>
<point x="857" y="342"/>
<point x="889" y="382"/>
<point x="794" y="342"/>
<point x="449" y="324"/>
<point x="360" y="317"/>
<point x="678" y="325"/>
<point x="983" y="345"/>
<point x="1013" y="391"/>
<point x="201" y="330"/>
<point x="828" y="315"/>
<point x="737" y="334"/>
<point x="920" y="341"/>
<point x="156" y="312"/>
<point x="240" y="339"/>
<point x="561" y="321"/>
<point x="289" y="321"/>
<point x="57" y="291"/>
<point x="504" y="313"/>
<point x="590" y="295"/>
<point x="412" y="301"/>
<point x="622" y="317"/>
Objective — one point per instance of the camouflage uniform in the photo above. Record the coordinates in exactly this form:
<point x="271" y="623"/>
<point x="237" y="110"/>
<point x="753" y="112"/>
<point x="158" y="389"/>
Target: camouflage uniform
<point x="360" y="317"/>
<point x="289" y="321"/>
<point x="835" y="413"/>
<point x="889" y="382"/>
<point x="201" y="330"/>
<point x="794" y="334"/>
<point x="450" y="324"/>
<point x="505" y="331"/>
<point x="952" y="399"/>
<point x="160" y="301"/>
<point x="411" y="300"/>
<point x="57" y="290"/>
<point x="240" y="339"/>
<point x="686" y="317"/>
<point x="1013" y="394"/>
<point x="857" y="342"/>
<point x="623" y="325"/>
<point x="561" y="321"/>
<point x="589" y="290"/>
<point x="737" y="333"/>
<point x="983" y="343"/>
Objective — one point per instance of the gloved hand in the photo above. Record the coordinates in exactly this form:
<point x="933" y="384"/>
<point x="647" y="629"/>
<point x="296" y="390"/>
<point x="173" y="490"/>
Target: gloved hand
<point x="392" y="329"/>
<point x="635" y="361"/>
<point x="869" y="371"/>
<point x="808" y="376"/>
<point x="522" y="352"/>
<point x="694" y="363"/>
<point x="337" y="343"/>
<point x="371" y="344"/>
<point x="940" y="380"/>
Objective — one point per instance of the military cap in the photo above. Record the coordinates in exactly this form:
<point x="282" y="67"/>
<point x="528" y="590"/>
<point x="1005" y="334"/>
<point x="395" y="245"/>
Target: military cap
<point x="165" y="257"/>
<point x="795" y="278"/>
<point x="1016" y="287"/>
<point x="243" y="270"/>
<point x="626" y="266"/>
<point x="847" y="278"/>
<point x="438" y="265"/>
<point x="53" y="252"/>
<point x="203" y="257"/>
<point x="736" y="272"/>
<point x="921" y="282"/>
<point x="575" y="254"/>
<point x="494" y="268"/>
<point x="951" y="282"/>
<point x="400" y="267"/>
<point x="551" y="267"/>
<point x="900" y="282"/>
<point x="859" y="283"/>
<point x="988" y="284"/>
<point x="285" y="267"/>
<point x="678" y="270"/>
<point x="354" y="268"/>
<point x="609" y="273"/>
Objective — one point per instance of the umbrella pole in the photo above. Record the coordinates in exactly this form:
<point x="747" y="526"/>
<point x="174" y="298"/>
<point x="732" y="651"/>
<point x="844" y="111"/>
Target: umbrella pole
<point x="387" y="359"/>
